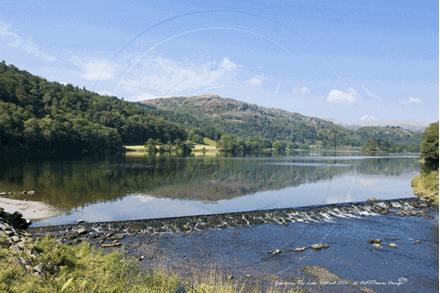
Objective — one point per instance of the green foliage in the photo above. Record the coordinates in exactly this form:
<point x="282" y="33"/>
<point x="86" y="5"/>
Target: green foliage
<point x="430" y="145"/>
<point x="245" y="121"/>
<point x="40" y="117"/>
<point x="379" y="145"/>
<point x="427" y="184"/>
<point x="82" y="269"/>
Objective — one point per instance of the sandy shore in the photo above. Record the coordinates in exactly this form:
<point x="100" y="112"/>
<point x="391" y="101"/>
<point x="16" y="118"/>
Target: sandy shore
<point x="30" y="209"/>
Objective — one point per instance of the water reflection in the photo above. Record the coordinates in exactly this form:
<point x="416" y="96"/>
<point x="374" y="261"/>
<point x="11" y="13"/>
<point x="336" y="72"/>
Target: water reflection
<point x="210" y="180"/>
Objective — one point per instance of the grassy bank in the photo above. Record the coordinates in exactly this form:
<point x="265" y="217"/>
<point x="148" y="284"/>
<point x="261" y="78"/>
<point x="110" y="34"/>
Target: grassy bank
<point x="83" y="268"/>
<point x="208" y="149"/>
<point x="426" y="185"/>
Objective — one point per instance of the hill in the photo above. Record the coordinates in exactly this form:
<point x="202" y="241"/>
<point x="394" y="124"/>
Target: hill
<point x="40" y="118"/>
<point x="410" y="125"/>
<point x="244" y="120"/>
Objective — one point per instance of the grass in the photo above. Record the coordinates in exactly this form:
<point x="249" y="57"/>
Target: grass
<point x="83" y="268"/>
<point x="209" y="142"/>
<point x="426" y="184"/>
<point x="208" y="149"/>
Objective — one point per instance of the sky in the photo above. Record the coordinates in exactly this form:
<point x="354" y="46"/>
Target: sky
<point x="349" y="61"/>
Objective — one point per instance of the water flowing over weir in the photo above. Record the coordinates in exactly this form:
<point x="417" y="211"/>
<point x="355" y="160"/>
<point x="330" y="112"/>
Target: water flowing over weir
<point x="313" y="214"/>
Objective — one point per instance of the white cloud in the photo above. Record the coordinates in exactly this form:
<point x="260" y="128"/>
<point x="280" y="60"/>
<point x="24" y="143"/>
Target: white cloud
<point x="62" y="82"/>
<point x="371" y="94"/>
<point x="303" y="90"/>
<point x="16" y="41"/>
<point x="145" y="96"/>
<point x="228" y="65"/>
<point x="256" y="80"/>
<point x="336" y="96"/>
<point x="105" y="93"/>
<point x="414" y="100"/>
<point x="368" y="118"/>
<point x="98" y="70"/>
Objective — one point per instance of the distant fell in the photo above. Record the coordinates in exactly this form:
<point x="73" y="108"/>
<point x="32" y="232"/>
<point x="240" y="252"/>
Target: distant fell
<point x="245" y="120"/>
<point x="410" y="125"/>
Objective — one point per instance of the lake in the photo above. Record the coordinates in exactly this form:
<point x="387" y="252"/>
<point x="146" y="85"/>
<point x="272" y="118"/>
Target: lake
<point x="128" y="188"/>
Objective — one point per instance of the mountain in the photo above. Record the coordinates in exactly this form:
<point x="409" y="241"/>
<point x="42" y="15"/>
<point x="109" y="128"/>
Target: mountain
<point x="244" y="120"/>
<point x="410" y="125"/>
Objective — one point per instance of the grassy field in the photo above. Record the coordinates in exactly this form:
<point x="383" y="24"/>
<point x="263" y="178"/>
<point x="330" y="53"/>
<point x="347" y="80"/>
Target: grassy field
<point x="208" y="149"/>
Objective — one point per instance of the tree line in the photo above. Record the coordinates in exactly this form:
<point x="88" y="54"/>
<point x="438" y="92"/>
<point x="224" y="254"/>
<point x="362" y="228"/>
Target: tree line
<point x="379" y="145"/>
<point x="38" y="117"/>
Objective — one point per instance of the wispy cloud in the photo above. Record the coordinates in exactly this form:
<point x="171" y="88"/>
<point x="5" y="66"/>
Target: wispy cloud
<point x="98" y="70"/>
<point x="368" y="118"/>
<point x="303" y="90"/>
<point x="256" y="80"/>
<point x="336" y="96"/>
<point x="160" y="77"/>
<point x="414" y="100"/>
<point x="370" y="94"/>
<point x="14" y="40"/>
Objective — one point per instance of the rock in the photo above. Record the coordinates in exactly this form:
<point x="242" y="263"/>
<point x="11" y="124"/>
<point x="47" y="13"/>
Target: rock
<point x="81" y="231"/>
<point x="38" y="268"/>
<point x="5" y="242"/>
<point x="15" y="249"/>
<point x="394" y="245"/>
<point x="370" y="240"/>
<point x="28" y="267"/>
<point x="299" y="249"/>
<point x="22" y="261"/>
<point x="213" y="221"/>
<point x="276" y="251"/>
<point x="31" y="192"/>
<point x="15" y="238"/>
<point x="377" y="241"/>
<point x="256" y="221"/>
<point x="416" y="241"/>
<point x="230" y="277"/>
<point x="377" y="246"/>
<point x="316" y="246"/>
<point x="141" y="258"/>
<point x="325" y="245"/>
<point x="9" y="232"/>
<point x="80" y="221"/>
<point x="111" y="245"/>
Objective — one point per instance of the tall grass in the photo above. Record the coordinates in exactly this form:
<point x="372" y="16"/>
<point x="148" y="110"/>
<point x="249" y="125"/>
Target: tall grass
<point x="83" y="268"/>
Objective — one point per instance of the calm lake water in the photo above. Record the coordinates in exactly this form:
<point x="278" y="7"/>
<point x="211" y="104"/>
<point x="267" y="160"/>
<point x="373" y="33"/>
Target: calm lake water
<point x="127" y="188"/>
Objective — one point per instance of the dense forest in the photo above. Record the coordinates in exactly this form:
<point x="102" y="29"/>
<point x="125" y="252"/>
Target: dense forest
<point x="38" y="117"/>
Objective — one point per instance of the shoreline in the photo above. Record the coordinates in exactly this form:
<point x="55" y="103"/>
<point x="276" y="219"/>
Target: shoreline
<point x="32" y="210"/>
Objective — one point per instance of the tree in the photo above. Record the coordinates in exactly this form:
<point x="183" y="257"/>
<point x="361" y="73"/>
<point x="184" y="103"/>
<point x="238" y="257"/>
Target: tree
<point x="226" y="143"/>
<point x="430" y="145"/>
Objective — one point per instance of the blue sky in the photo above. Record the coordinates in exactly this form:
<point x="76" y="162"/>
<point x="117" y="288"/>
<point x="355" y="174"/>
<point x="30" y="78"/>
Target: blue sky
<point x="353" y="62"/>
